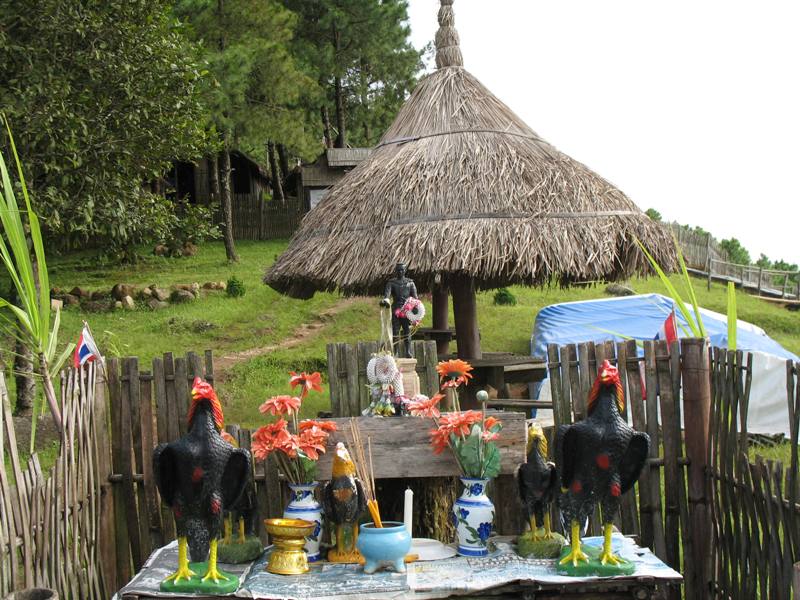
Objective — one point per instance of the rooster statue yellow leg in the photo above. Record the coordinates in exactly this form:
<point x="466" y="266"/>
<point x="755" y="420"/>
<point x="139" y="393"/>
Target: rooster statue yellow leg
<point x="213" y="574"/>
<point x="534" y="527"/>
<point x="548" y="532"/>
<point x="242" y="535"/>
<point x="183" y="572"/>
<point x="576" y="554"/>
<point x="607" y="556"/>
<point x="227" y="528"/>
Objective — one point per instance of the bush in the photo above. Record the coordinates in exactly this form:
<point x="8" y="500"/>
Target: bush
<point x="504" y="297"/>
<point x="235" y="287"/>
<point x="189" y="224"/>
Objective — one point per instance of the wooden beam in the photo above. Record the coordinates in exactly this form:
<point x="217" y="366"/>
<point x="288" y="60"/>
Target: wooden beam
<point x="401" y="446"/>
<point x="465" y="311"/>
<point x="441" y="298"/>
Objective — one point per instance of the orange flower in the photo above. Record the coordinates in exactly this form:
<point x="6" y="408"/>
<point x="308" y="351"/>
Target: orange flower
<point x="311" y="444"/>
<point x="309" y="382"/>
<point x="460" y="423"/>
<point x="427" y="407"/>
<point x="454" y="372"/>
<point x="440" y="439"/>
<point x="490" y="422"/>
<point x="269" y="438"/>
<point x="326" y="426"/>
<point x="280" y="405"/>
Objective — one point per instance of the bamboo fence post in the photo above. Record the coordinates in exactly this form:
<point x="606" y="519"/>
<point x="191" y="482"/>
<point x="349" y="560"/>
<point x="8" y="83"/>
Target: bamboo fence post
<point x="697" y="403"/>
<point x="796" y="580"/>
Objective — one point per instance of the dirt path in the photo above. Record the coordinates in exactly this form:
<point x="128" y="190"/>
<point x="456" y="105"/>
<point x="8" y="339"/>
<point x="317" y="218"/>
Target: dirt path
<point x="303" y="332"/>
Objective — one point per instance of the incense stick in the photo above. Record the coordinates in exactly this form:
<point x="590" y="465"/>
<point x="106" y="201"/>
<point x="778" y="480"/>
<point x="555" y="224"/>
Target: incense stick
<point x="365" y="471"/>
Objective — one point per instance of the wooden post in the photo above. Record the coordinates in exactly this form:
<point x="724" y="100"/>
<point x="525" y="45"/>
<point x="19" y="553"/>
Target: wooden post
<point x="709" y="264"/>
<point x="785" y="285"/>
<point x="106" y="536"/>
<point x="465" y="311"/>
<point x="760" y="273"/>
<point x="441" y="299"/>
<point x="697" y="407"/>
<point x="796" y="580"/>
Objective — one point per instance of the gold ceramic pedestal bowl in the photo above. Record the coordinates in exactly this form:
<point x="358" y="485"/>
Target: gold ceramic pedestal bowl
<point x="288" y="537"/>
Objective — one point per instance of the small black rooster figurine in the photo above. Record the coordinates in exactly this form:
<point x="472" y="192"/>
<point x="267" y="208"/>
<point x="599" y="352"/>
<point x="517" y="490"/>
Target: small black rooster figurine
<point x="198" y="476"/>
<point x="598" y="460"/>
<point x="538" y="483"/>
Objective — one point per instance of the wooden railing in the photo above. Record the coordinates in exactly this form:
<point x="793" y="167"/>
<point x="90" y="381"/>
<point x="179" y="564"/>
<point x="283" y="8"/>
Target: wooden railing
<point x="783" y="284"/>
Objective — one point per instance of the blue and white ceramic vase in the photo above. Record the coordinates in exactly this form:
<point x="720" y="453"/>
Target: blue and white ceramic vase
<point x="473" y="518"/>
<point x="303" y="505"/>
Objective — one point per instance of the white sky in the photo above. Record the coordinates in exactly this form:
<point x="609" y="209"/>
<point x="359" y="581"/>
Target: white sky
<point x="691" y="107"/>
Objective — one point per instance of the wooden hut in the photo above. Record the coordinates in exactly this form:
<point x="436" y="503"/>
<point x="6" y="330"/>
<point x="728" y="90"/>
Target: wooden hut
<point x="469" y="197"/>
<point x="192" y="180"/>
<point x="329" y="169"/>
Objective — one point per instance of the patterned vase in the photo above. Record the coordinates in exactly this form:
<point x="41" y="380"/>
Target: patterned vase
<point x="473" y="518"/>
<point x="303" y="505"/>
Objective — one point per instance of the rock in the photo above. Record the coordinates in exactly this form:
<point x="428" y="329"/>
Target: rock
<point x="119" y="291"/>
<point x="145" y="293"/>
<point x="189" y="287"/>
<point x="160" y="250"/>
<point x="210" y="285"/>
<point x="56" y="291"/>
<point x="221" y="285"/>
<point x="118" y="305"/>
<point x="189" y="249"/>
<point x="56" y="304"/>
<point x="617" y="289"/>
<point x="159" y="294"/>
<point x="95" y="306"/>
<point x="182" y="296"/>
<point x="79" y="292"/>
<point x="98" y="295"/>
<point x="128" y="303"/>
<point x="71" y="300"/>
<point x="156" y="304"/>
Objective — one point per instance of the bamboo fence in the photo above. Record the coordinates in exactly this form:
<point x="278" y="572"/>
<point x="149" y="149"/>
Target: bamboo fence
<point x="755" y="510"/>
<point x="51" y="529"/>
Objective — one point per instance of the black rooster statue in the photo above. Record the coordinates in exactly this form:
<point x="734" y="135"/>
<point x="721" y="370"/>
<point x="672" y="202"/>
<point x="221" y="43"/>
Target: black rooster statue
<point x="598" y="460"/>
<point x="244" y="546"/>
<point x="343" y="501"/>
<point x="198" y="476"/>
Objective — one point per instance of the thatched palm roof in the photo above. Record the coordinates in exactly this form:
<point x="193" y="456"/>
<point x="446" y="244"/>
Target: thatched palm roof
<point x="460" y="185"/>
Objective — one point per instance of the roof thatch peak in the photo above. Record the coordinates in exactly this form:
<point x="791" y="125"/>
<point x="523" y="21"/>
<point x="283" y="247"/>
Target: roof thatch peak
<point x="448" y="52"/>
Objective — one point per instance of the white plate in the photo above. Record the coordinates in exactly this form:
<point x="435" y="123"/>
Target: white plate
<point x="429" y="549"/>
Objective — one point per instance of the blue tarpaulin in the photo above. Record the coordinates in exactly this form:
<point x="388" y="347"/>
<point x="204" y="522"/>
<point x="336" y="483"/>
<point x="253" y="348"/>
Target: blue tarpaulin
<point x="638" y="317"/>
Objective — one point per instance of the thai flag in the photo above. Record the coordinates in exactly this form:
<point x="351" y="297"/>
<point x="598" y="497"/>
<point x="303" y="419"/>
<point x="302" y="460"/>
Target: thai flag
<point x="669" y="330"/>
<point x="86" y="350"/>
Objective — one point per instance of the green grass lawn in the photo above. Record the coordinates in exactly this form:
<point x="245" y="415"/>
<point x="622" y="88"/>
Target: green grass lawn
<point x="265" y="318"/>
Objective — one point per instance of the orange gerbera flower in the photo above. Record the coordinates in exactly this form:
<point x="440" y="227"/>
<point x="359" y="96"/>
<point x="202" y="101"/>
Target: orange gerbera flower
<point x="269" y="438"/>
<point x="281" y="405"/>
<point x="311" y="444"/>
<point x="308" y="381"/>
<point x="454" y="372"/>
<point x="490" y="422"/>
<point x="426" y="407"/>
<point x="326" y="426"/>
<point x="460" y="423"/>
<point x="440" y="439"/>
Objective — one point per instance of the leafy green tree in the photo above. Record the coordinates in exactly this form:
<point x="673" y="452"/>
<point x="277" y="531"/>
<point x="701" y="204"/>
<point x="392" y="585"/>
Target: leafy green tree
<point x="738" y="254"/>
<point x="260" y="91"/>
<point x="364" y="62"/>
<point x="102" y="96"/>
<point x="653" y="214"/>
<point x="763" y="261"/>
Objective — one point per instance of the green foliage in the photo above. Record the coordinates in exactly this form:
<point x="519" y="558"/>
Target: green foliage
<point x="736" y="252"/>
<point x="478" y="457"/>
<point x="31" y="322"/>
<point x="189" y="224"/>
<point x="504" y="297"/>
<point x="102" y="97"/>
<point x="261" y="91"/>
<point x="235" y="287"/>
<point x="363" y="43"/>
<point x="653" y="214"/>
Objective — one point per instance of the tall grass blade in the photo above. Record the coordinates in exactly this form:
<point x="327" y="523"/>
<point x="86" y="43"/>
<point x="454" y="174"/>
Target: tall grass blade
<point x="687" y="280"/>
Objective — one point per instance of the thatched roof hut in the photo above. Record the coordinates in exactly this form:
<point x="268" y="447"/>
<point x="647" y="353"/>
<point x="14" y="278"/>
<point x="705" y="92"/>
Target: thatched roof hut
<point x="469" y="197"/>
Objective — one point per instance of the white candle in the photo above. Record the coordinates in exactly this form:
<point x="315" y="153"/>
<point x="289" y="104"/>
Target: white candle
<point x="408" y="508"/>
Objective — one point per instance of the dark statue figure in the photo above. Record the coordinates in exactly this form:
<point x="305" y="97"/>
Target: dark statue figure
<point x="397" y="291"/>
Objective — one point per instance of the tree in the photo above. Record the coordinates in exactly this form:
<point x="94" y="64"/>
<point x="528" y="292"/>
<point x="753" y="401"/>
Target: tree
<point x="763" y="261"/>
<point x="736" y="252"/>
<point x="260" y="91"/>
<point x="102" y="97"/>
<point x="363" y="60"/>
<point x="653" y="214"/>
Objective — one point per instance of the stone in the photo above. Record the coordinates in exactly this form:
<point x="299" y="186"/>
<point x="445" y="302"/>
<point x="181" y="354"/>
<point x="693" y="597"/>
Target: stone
<point x="221" y="285"/>
<point x="210" y="285"/>
<point x="118" y="305"/>
<point x="618" y="289"/>
<point x="408" y="369"/>
<point x="71" y="300"/>
<point x="156" y="304"/>
<point x="146" y="293"/>
<point x="160" y="250"/>
<point x="119" y="291"/>
<point x="189" y="249"/>
<point x="98" y="295"/>
<point x="95" y="306"/>
<point x="159" y="294"/>
<point x="56" y="304"/>
<point x="182" y="296"/>
<point x="128" y="303"/>
<point x="56" y="291"/>
<point x="79" y="292"/>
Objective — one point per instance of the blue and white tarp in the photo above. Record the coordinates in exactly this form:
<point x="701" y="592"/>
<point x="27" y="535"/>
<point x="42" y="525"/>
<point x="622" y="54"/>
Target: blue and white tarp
<point x="641" y="317"/>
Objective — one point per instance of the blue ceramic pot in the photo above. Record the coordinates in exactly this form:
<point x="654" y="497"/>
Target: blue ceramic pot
<point x="473" y="518"/>
<point x="387" y="545"/>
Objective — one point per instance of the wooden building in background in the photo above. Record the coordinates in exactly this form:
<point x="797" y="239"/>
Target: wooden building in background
<point x="329" y="168"/>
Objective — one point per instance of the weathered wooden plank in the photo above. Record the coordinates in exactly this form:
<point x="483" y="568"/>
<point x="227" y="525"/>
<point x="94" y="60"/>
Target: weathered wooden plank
<point x="126" y="468"/>
<point x="133" y="386"/>
<point x="409" y="436"/>
<point x="208" y="361"/>
<point x="152" y="507"/>
<point x="651" y="385"/>
<point x="628" y="510"/>
<point x="165" y="429"/>
<point x="351" y="365"/>
<point x="554" y="370"/>
<point x="333" y="380"/>
<point x="182" y="384"/>
<point x="570" y="371"/>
